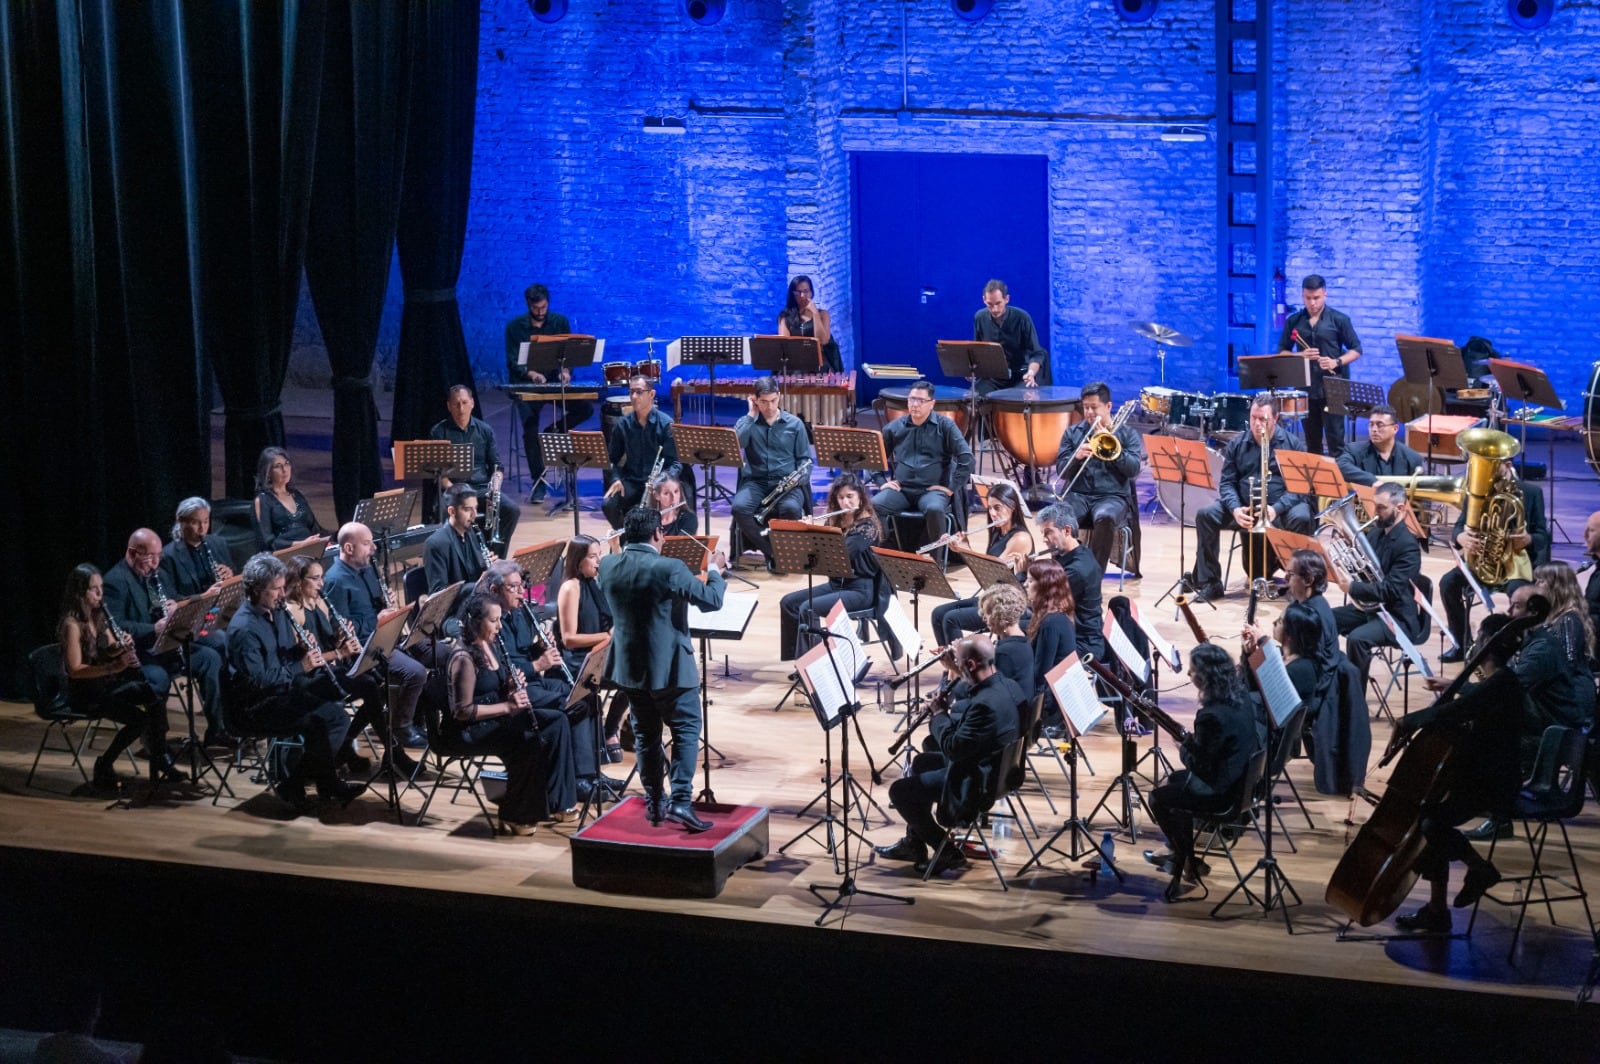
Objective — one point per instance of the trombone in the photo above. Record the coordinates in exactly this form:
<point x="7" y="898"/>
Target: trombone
<point x="1104" y="443"/>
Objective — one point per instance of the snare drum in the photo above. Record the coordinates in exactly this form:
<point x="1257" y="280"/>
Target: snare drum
<point x="953" y="403"/>
<point x="1232" y="411"/>
<point x="650" y="368"/>
<point x="617" y="372"/>
<point x="1157" y="400"/>
<point x="1029" y="422"/>
<point x="1292" y="402"/>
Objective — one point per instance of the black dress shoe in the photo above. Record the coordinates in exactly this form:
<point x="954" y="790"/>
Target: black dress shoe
<point x="166" y="770"/>
<point x="1490" y="829"/>
<point x="1451" y="657"/>
<point x="402" y="764"/>
<point x="353" y="761"/>
<point x="1425" y="921"/>
<point x="683" y="813"/>
<point x="412" y="738"/>
<point x="951" y="859"/>
<point x="654" y="806"/>
<point x="1478" y="880"/>
<point x="340" y="791"/>
<point x="907" y="849"/>
<point x="293" y="794"/>
<point x="1213" y="591"/>
<point x="536" y="496"/>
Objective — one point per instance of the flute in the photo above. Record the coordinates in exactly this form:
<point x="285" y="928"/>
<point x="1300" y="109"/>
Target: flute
<point x="819" y="518"/>
<point x="949" y="537"/>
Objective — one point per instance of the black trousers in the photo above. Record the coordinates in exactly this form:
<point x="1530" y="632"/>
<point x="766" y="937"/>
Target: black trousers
<point x="1103" y="515"/>
<point x="952" y="620"/>
<point x="935" y="507"/>
<point x="1208" y="526"/>
<point x="1320" y="424"/>
<point x="1362" y="631"/>
<point x="1455" y="593"/>
<point x="577" y="412"/>
<point x="747" y="500"/>
<point x="322" y="726"/>
<point x="915" y="795"/>
<point x="1175" y="807"/>
<point x="138" y="703"/>
<point x="616" y="507"/>
<point x="515" y="739"/>
<point x="795" y="606"/>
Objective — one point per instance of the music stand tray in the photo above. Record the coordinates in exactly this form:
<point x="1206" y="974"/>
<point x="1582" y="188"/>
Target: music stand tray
<point x="783" y="355"/>
<point x="989" y="571"/>
<point x="973" y="360"/>
<point x="186" y="617"/>
<point x="430" y="459"/>
<point x="693" y="551"/>
<point x="387" y="511"/>
<point x="549" y="355"/>
<point x="380" y="644"/>
<point x="849" y="449"/>
<point x="1311" y="474"/>
<point x="708" y="445"/>
<point x="433" y="613"/>
<point x="1182" y="462"/>
<point x="915" y="573"/>
<point x="1274" y="372"/>
<point x="818" y="550"/>
<point x="1285" y="543"/>
<point x="1526" y="383"/>
<point x="1425" y="360"/>
<point x="538" y="562"/>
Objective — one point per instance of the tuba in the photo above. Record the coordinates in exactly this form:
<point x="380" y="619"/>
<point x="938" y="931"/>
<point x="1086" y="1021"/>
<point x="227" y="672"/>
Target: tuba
<point x="1492" y="504"/>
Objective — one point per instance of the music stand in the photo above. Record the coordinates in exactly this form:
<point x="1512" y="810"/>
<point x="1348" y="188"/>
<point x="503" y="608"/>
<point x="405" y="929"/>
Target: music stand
<point x="1275" y="372"/>
<point x="1351" y="400"/>
<point x="538" y="562"/>
<point x="1529" y="385"/>
<point x="918" y="574"/>
<point x="693" y="551"/>
<point x="380" y="648"/>
<point x="187" y="617"/>
<point x="591" y="675"/>
<point x="988" y="570"/>
<point x="435" y="608"/>
<point x="1181" y="462"/>
<point x="852" y="450"/>
<point x="1431" y="363"/>
<point x="311" y="547"/>
<point x="729" y="622"/>
<point x="974" y="359"/>
<point x="710" y="447"/>
<point x="782" y="355"/>
<point x="711" y="352"/>
<point x="1284" y="543"/>
<point x="384" y="514"/>
<point x="1367" y="495"/>
<point x="550" y="355"/>
<point x="431" y="460"/>
<point x="574" y="451"/>
<point x="1305" y="473"/>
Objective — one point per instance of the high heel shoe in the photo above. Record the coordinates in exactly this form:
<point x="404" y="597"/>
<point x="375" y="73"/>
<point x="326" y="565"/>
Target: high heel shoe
<point x="512" y="827"/>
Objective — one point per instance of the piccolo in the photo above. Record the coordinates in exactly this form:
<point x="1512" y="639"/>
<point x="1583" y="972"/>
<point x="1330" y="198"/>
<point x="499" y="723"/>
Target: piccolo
<point x="949" y="537"/>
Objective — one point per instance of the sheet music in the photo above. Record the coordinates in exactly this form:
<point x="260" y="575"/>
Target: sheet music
<point x="829" y="689"/>
<point x="729" y="622"/>
<point x="847" y="648"/>
<point x="905" y="632"/>
<point x="1438" y="621"/>
<point x="1407" y="647"/>
<point x="1074" y="693"/>
<point x="1472" y="581"/>
<point x="1130" y="657"/>
<point x="1158" y="642"/>
<point x="1277" y="690"/>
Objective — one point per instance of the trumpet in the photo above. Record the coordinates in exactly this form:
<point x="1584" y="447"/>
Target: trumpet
<point x="653" y="481"/>
<point x="785" y="486"/>
<point x="950" y="536"/>
<point x="1104" y="443"/>
<point x="820" y="518"/>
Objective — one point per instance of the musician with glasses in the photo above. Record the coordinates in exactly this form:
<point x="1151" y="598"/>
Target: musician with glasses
<point x="1102" y="489"/>
<point x="138" y="598"/>
<point x="1381" y="455"/>
<point x="929" y="463"/>
<point x="1399" y="562"/>
<point x="283" y="514"/>
<point x="539" y="321"/>
<point x="462" y="427"/>
<point x="775" y="445"/>
<point x="637" y="440"/>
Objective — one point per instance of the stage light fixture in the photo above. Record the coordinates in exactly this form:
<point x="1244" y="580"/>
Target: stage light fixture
<point x="1529" y="14"/>
<point x="548" y="10"/>
<point x="661" y="124"/>
<point x="704" y="12"/>
<point x="1135" y="10"/>
<point x="1184" y="135"/>
<point x="972" y="10"/>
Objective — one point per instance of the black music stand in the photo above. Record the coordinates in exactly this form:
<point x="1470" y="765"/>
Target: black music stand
<point x="709" y="447"/>
<point x="538" y="562"/>
<point x="550" y="355"/>
<point x="385" y="514"/>
<point x="692" y="551"/>
<point x="585" y="685"/>
<point x="974" y="360"/>
<point x="186" y="618"/>
<point x="1181" y="462"/>
<point x="783" y="355"/>
<point x="918" y="574"/>
<point x="852" y="450"/>
<point x="1351" y="400"/>
<point x="989" y="571"/>
<point x="431" y="460"/>
<point x="706" y="632"/>
<point x="380" y="648"/>
<point x="711" y="352"/>
<point x="1273" y="372"/>
<point x="574" y="451"/>
<point x="1433" y="364"/>
<point x="1529" y="385"/>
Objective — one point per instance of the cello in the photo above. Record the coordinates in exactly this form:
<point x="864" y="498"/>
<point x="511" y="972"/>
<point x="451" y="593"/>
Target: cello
<point x="1379" y="868"/>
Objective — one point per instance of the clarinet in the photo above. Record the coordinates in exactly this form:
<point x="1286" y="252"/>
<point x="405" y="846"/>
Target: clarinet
<point x="547" y="638"/>
<point x="491" y="518"/>
<point x="315" y="651"/>
<point x="344" y="624"/>
<point x="518" y="682"/>
<point x="211" y="562"/>
<point x="163" y="603"/>
<point x="119" y="635"/>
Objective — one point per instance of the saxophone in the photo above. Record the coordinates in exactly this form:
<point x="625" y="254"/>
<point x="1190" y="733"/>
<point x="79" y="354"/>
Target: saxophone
<point x="1491" y="505"/>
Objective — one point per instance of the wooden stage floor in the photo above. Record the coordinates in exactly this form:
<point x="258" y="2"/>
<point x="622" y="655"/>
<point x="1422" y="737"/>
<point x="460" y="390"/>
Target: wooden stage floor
<point x="773" y="759"/>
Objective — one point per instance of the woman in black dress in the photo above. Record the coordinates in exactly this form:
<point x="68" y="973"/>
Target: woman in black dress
<point x="1009" y="542"/>
<point x="283" y="516"/>
<point x="861" y="589"/>
<point x="489" y="715"/>
<point x="802" y="317"/>
<point x="105" y="679"/>
<point x="1002" y="607"/>
<point x="1051" y="628"/>
<point x="677" y="516"/>
<point x="308" y="608"/>
<point x="583" y="626"/>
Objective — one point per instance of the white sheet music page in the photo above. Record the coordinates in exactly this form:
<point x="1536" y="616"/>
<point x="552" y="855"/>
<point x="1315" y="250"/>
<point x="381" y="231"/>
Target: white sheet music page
<point x="733" y="616"/>
<point x="847" y="649"/>
<point x="1074" y="693"/>
<point x="900" y="624"/>
<point x="1125" y="650"/>
<point x="1158" y="642"/>
<point x="1273" y="677"/>
<point x="830" y="689"/>
<point x="1405" y="644"/>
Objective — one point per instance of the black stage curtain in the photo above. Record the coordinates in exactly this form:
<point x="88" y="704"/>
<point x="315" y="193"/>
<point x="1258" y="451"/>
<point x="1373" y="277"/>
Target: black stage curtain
<point x="361" y="147"/>
<point x="433" y="217"/>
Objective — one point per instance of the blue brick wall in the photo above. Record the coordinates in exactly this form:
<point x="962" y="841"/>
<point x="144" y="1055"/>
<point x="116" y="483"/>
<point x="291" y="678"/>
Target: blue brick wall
<point x="1435" y="164"/>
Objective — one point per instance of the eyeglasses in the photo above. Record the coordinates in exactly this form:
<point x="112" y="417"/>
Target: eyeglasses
<point x="917" y="400"/>
<point x="639" y="391"/>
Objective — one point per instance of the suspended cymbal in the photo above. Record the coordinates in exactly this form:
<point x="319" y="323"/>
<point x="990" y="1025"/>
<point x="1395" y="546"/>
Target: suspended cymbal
<point x="646" y="340"/>
<point x="1411" y="401"/>
<point x="1161" y="334"/>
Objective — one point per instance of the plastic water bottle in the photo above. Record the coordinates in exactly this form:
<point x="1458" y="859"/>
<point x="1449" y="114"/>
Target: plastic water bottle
<point x="1108" y="847"/>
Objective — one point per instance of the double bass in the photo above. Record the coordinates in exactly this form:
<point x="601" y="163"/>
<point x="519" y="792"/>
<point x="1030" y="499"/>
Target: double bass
<point x="1379" y="869"/>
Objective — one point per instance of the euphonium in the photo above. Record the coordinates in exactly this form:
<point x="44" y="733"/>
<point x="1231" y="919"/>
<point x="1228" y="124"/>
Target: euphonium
<point x="1343" y="539"/>
<point x="1492" y="504"/>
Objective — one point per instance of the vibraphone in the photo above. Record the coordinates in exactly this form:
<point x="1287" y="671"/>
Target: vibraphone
<point x="815" y="398"/>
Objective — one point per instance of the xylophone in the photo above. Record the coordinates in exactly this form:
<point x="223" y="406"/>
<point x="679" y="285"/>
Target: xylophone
<point x="815" y="398"/>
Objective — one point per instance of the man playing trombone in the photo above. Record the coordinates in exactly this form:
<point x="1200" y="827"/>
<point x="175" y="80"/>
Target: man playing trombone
<point x="1392" y="559"/>
<point x="1100" y="460"/>
<point x="771" y="483"/>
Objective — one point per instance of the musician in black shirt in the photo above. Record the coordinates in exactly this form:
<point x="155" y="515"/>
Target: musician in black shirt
<point x="677" y="516"/>
<point x="1399" y="561"/>
<point x="637" y="439"/>
<point x="1059" y="530"/>
<point x="1328" y="334"/>
<point x="196" y="561"/>
<point x="455" y="552"/>
<point x="929" y="463"/>
<point x="283" y="515"/>
<point x="1102" y="494"/>
<point x="485" y="476"/>
<point x="802" y="317"/>
<point x="539" y="321"/>
<point x="1381" y="455"/>
<point x="776" y="446"/>
<point x="1010" y="327"/>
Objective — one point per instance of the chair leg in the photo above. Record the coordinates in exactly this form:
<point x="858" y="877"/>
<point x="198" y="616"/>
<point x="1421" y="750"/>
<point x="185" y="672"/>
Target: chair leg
<point x="1034" y="771"/>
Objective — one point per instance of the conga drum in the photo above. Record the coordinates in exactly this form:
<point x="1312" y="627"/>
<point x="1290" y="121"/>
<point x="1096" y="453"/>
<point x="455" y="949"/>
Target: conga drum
<point x="1029" y="422"/>
<point x="954" y="403"/>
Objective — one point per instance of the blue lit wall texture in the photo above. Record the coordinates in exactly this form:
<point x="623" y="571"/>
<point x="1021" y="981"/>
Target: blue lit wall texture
<point x="1435" y="164"/>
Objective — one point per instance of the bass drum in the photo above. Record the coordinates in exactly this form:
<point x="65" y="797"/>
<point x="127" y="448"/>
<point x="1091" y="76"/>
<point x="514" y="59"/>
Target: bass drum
<point x="1591" y="418"/>
<point x="1189" y="503"/>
